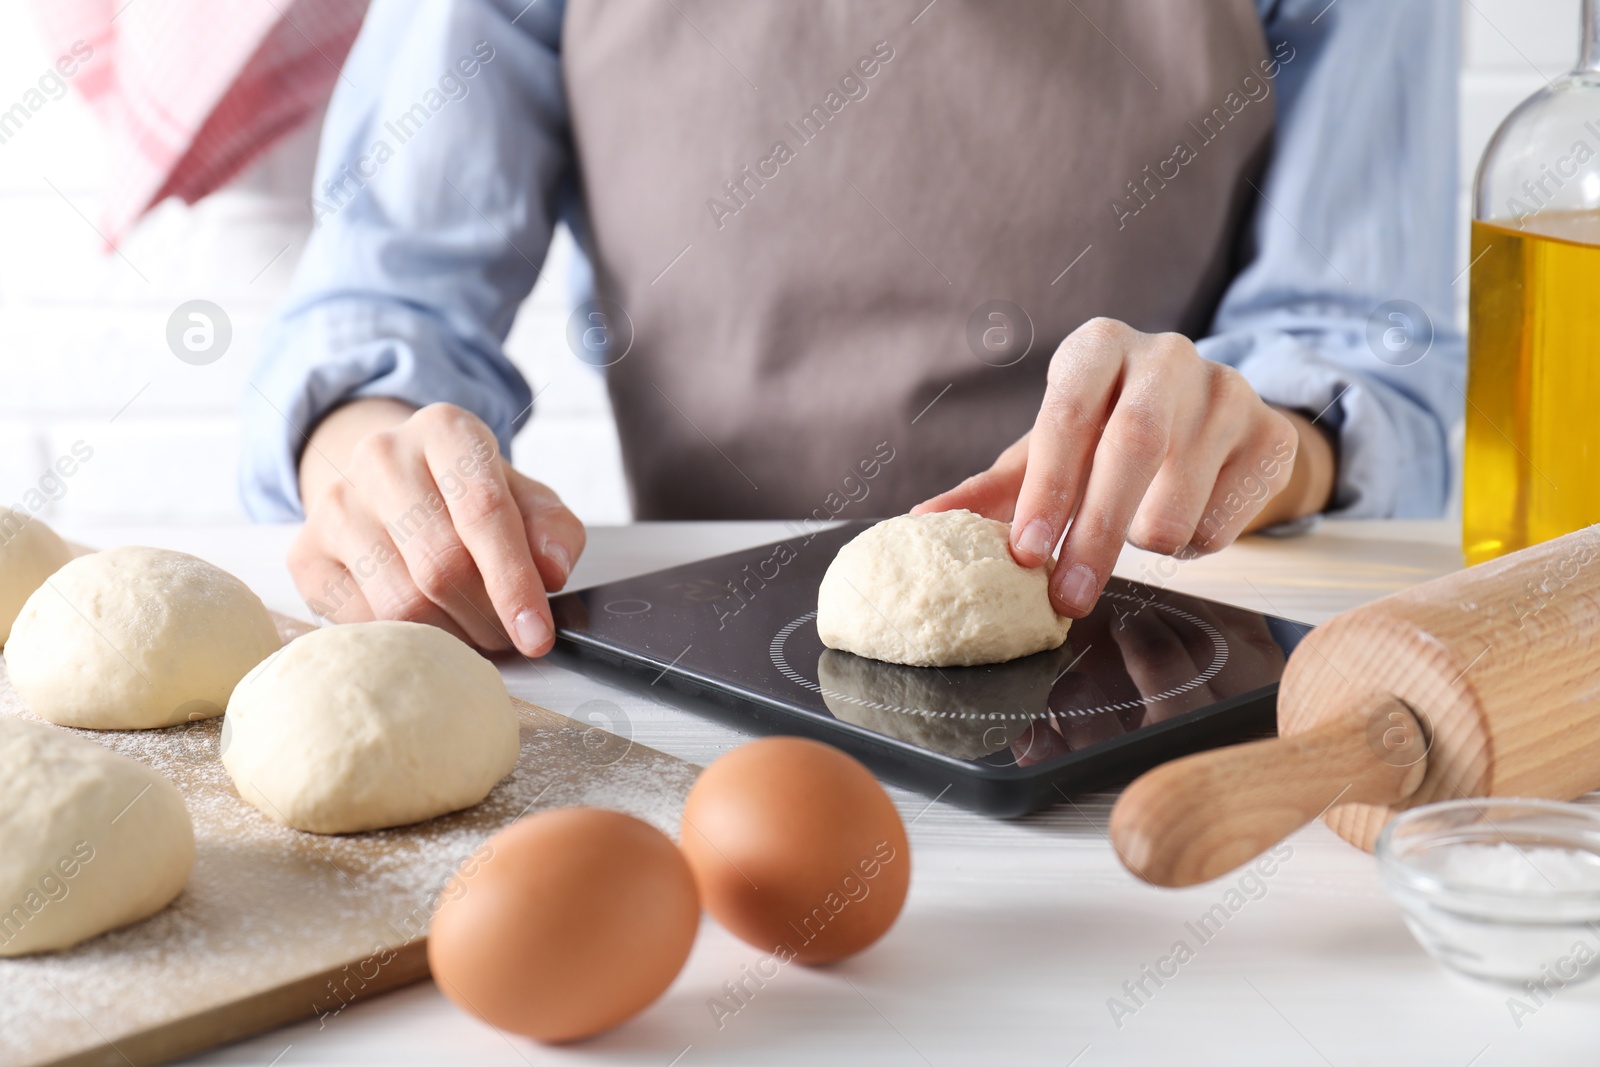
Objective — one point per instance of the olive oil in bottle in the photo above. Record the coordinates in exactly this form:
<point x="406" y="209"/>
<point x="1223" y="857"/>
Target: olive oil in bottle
<point x="1533" y="332"/>
<point x="1532" y="465"/>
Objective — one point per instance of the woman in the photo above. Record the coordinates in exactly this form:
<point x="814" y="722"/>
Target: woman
<point x="830" y="233"/>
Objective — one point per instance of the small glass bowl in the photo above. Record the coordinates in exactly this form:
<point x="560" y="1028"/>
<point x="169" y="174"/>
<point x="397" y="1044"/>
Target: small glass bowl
<point x="1501" y="889"/>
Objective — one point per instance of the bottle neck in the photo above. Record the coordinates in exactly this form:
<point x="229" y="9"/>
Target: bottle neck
<point x="1589" y="47"/>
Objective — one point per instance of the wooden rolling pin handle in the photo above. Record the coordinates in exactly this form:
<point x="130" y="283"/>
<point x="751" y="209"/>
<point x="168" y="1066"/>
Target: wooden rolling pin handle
<point x="1199" y="817"/>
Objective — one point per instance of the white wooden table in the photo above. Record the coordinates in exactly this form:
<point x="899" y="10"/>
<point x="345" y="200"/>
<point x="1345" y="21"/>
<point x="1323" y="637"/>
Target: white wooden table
<point x="1016" y="934"/>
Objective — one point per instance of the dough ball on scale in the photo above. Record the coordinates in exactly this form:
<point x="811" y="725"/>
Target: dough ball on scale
<point x="939" y="590"/>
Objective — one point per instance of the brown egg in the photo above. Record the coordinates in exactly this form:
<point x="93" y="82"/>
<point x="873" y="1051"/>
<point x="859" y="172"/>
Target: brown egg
<point x="797" y="849"/>
<point x="567" y="923"/>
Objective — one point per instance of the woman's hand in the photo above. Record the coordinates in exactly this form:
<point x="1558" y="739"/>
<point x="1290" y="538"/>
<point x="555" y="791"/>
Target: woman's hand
<point x="1142" y="439"/>
<point x="414" y="515"/>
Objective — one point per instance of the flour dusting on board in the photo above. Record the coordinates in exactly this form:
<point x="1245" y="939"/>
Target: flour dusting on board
<point x="267" y="906"/>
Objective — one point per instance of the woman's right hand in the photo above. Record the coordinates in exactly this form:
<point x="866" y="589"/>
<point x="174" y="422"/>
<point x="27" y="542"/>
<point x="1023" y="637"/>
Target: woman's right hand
<point x="414" y="515"/>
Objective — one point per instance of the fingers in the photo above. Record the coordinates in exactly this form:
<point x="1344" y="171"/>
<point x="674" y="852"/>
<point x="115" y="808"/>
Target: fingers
<point x="329" y="590"/>
<point x="464" y="458"/>
<point x="1304" y="458"/>
<point x="401" y="494"/>
<point x="428" y="528"/>
<point x="1083" y="375"/>
<point x="1258" y="469"/>
<point x="555" y="536"/>
<point x="1172" y="509"/>
<point x="1238" y="496"/>
<point x="348" y="570"/>
<point x="992" y="494"/>
<point x="372" y="559"/>
<point x="1131" y="450"/>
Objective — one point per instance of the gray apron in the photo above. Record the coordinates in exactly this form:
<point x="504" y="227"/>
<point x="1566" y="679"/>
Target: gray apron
<point x="840" y="240"/>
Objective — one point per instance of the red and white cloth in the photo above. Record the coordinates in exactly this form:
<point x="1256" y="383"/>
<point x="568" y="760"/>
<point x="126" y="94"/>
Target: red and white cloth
<point x="191" y="91"/>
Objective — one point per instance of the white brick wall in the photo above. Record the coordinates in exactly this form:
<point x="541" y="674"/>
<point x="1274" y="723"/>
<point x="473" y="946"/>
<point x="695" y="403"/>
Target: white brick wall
<point x="82" y="334"/>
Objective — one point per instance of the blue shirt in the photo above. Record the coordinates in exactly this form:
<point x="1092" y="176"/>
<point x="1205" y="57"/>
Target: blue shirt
<point x="407" y="289"/>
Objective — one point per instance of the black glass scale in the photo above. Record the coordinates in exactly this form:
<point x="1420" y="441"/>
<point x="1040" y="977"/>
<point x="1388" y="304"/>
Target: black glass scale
<point x="1148" y="676"/>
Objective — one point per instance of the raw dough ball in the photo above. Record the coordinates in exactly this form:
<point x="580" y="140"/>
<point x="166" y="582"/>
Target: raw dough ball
<point x="89" y="840"/>
<point x="369" y="725"/>
<point x="136" y="638"/>
<point x="937" y="590"/>
<point x="30" y="552"/>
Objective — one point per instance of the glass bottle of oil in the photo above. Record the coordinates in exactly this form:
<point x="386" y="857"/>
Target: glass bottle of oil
<point x="1532" y="464"/>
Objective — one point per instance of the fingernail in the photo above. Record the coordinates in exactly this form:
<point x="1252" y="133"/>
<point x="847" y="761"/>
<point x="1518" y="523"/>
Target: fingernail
<point x="1076" y="588"/>
<point x="1036" y="539"/>
<point x="555" y="553"/>
<point x="532" y="630"/>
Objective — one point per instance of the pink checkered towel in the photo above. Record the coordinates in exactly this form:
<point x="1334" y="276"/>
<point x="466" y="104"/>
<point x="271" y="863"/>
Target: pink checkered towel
<point x="191" y="91"/>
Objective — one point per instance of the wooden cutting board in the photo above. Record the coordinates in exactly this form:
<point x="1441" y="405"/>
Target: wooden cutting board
<point x="275" y="925"/>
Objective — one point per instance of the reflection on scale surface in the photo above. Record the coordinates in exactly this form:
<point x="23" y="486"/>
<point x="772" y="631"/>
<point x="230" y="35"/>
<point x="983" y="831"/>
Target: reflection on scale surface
<point x="1134" y="661"/>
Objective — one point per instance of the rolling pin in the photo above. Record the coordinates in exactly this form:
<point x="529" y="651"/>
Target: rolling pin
<point x="1485" y="682"/>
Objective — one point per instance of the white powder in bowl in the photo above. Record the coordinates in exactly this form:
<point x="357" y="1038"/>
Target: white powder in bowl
<point x="1505" y="867"/>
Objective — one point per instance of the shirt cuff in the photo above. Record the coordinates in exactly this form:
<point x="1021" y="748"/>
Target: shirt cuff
<point x="323" y="356"/>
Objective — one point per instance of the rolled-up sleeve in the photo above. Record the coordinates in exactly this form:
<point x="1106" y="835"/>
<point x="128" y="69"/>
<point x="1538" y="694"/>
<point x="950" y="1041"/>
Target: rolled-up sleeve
<point x="1353" y="235"/>
<point x="444" y="165"/>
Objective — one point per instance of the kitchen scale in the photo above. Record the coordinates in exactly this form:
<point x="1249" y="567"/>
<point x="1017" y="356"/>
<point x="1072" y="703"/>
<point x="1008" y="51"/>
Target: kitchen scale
<point x="1148" y="676"/>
